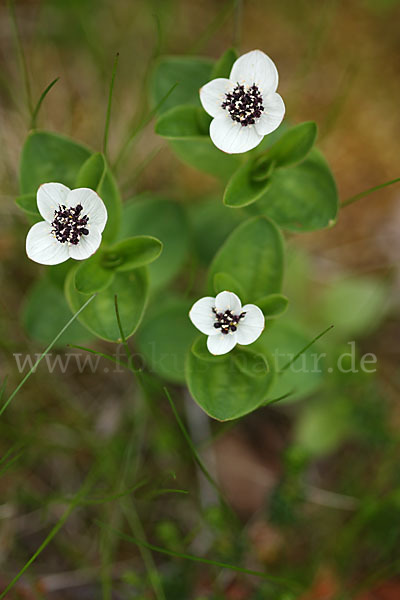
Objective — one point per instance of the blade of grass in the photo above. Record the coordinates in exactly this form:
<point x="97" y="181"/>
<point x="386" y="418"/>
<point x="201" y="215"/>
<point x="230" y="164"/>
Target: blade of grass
<point x="367" y="192"/>
<point x="304" y="350"/>
<point x="108" y="114"/>
<point x="113" y="359"/>
<point x="276" y="580"/>
<point x="49" y="347"/>
<point x="21" y="57"/>
<point x="40" y="101"/>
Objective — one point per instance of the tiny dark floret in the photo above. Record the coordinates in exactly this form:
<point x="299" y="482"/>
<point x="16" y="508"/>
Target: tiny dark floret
<point x="244" y="104"/>
<point x="227" y="321"/>
<point x="69" y="224"/>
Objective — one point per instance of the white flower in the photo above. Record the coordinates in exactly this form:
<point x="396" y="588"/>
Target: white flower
<point x="246" y="106"/>
<point x="226" y="322"/>
<point x="73" y="223"/>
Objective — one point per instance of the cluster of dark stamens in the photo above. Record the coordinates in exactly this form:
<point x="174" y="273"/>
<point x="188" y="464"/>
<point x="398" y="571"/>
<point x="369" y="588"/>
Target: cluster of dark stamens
<point x="244" y="105"/>
<point x="69" y="224"/>
<point x="227" y="321"/>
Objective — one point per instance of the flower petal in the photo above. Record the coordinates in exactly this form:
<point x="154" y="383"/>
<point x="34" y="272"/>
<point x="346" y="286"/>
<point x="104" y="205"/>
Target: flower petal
<point x="255" y="67"/>
<point x="87" y="245"/>
<point x="42" y="246"/>
<point x="212" y="95"/>
<point x="232" y="137"/>
<point x="49" y="197"/>
<point x="221" y="343"/>
<point x="202" y="316"/>
<point x="93" y="206"/>
<point x="251" y="326"/>
<point x="228" y="301"/>
<point x="271" y="118"/>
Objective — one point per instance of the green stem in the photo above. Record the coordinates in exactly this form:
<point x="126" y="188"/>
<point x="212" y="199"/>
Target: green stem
<point x="40" y="101"/>
<point x="304" y="350"/>
<point x="110" y="96"/>
<point x="367" y="192"/>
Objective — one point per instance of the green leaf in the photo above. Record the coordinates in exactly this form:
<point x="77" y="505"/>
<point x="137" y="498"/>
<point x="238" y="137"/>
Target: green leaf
<point x="166" y="220"/>
<point x="272" y="305"/>
<point x="49" y="157"/>
<point x="28" y="204"/>
<point x="109" y="193"/>
<point x="223" y="66"/>
<point x="91" y="172"/>
<point x="242" y="188"/>
<point x="99" y="317"/>
<point x="189" y="72"/>
<point x="303" y="198"/>
<point x="294" y="145"/>
<point x="253" y="255"/>
<point x="283" y="339"/>
<point x="132" y="253"/>
<point x="229" y="388"/>
<point x="201" y="154"/>
<point x="184" y="121"/>
<point x="164" y="340"/>
<point x="45" y="311"/>
<point x="211" y="223"/>
<point x="200" y="350"/>
<point x="225" y="282"/>
<point x="91" y="277"/>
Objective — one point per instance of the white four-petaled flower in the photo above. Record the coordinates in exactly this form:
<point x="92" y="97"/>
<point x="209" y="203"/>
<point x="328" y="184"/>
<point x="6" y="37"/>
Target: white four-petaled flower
<point x="226" y="322"/>
<point x="246" y="106"/>
<point x="73" y="223"/>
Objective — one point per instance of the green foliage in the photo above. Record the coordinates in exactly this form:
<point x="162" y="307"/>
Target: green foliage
<point x="132" y="253"/>
<point x="189" y="72"/>
<point x="252" y="180"/>
<point x="131" y="288"/>
<point x="92" y="171"/>
<point x="273" y="305"/>
<point x="182" y="122"/>
<point x="164" y="219"/>
<point x="302" y="198"/>
<point x="229" y="386"/>
<point x="27" y="202"/>
<point x="91" y="277"/>
<point x="164" y="339"/>
<point x="224" y="64"/>
<point x="252" y="255"/>
<point x="45" y="311"/>
<point x="224" y="281"/>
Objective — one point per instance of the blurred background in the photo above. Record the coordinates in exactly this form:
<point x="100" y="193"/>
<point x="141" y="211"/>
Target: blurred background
<point x="312" y="483"/>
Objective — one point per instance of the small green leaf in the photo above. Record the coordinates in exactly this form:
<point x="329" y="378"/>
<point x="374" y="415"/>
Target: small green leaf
<point x="252" y="255"/>
<point x="294" y="145"/>
<point x="183" y="122"/>
<point x="273" y="305"/>
<point x="223" y="65"/>
<point x="225" y="282"/>
<point x="28" y="204"/>
<point x="228" y="387"/>
<point x="243" y="189"/>
<point x="189" y="72"/>
<point x="200" y="350"/>
<point x="91" y="172"/>
<point x="99" y="317"/>
<point x="302" y="198"/>
<point x="164" y="219"/>
<point x="250" y="363"/>
<point x="132" y="253"/>
<point x="201" y="154"/>
<point x="91" y="277"/>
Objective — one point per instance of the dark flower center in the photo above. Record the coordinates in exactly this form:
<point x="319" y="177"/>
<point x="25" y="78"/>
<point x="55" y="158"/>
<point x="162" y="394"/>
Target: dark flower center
<point x="244" y="104"/>
<point x="69" y="224"/>
<point x="227" y="321"/>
